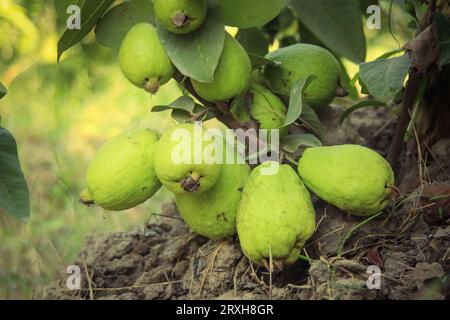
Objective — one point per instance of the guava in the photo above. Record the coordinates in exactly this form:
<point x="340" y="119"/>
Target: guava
<point x="180" y="16"/>
<point x="250" y="13"/>
<point x="212" y="213"/>
<point x="261" y="104"/>
<point x="353" y="178"/>
<point x="143" y="59"/>
<point x="122" y="173"/>
<point x="300" y="61"/>
<point x="186" y="160"/>
<point x="275" y="216"/>
<point x="231" y="77"/>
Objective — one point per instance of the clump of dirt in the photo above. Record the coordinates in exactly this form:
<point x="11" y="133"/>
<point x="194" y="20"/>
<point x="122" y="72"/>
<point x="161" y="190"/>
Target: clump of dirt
<point x="409" y="245"/>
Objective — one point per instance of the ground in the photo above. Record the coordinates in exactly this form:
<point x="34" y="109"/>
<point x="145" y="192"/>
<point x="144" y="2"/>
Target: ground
<point x="410" y="243"/>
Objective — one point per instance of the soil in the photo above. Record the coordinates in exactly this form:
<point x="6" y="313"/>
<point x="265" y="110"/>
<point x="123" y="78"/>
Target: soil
<point x="409" y="243"/>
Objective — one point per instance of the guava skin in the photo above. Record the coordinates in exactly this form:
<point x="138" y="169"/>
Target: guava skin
<point x="180" y="16"/>
<point x="212" y="214"/>
<point x="188" y="176"/>
<point x="232" y="75"/>
<point x="122" y="174"/>
<point x="143" y="60"/>
<point x="353" y="178"/>
<point x="302" y="60"/>
<point x="275" y="216"/>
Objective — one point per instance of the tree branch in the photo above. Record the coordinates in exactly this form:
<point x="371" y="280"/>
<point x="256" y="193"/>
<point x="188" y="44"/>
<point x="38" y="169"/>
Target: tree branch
<point x="222" y="114"/>
<point x="415" y="78"/>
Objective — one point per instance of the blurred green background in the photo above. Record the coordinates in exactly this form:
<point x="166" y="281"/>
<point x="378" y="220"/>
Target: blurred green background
<point x="60" y="115"/>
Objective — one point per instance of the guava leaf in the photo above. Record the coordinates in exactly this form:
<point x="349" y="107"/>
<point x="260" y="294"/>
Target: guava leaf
<point x="246" y="14"/>
<point x="293" y="142"/>
<point x="185" y="103"/>
<point x="196" y="55"/>
<point x="360" y="105"/>
<point x="3" y="90"/>
<point x="443" y="30"/>
<point x="310" y="120"/>
<point x="115" y="24"/>
<point x="296" y="100"/>
<point x="385" y="77"/>
<point x="14" y="197"/>
<point x="254" y="41"/>
<point x="258" y="61"/>
<point x="336" y="23"/>
<point x="90" y="14"/>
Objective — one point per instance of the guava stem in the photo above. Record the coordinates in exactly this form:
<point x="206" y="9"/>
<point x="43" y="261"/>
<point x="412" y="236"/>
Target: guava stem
<point x="152" y="85"/>
<point x="86" y="198"/>
<point x="180" y="20"/>
<point x="191" y="183"/>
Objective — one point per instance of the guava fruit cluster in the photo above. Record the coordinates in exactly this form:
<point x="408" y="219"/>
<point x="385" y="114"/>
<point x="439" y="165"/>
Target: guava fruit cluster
<point x="269" y="206"/>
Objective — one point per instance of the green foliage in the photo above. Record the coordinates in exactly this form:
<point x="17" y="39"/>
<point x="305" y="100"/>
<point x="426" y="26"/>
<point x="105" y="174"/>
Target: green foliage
<point x="13" y="187"/>
<point x="91" y="13"/>
<point x="197" y="54"/>
<point x="250" y="13"/>
<point x="385" y="77"/>
<point x="337" y="23"/>
<point x="115" y="24"/>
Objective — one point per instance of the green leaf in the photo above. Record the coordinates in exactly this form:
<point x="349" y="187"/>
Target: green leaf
<point x="14" y="197"/>
<point x="385" y="77"/>
<point x="196" y="55"/>
<point x="360" y="105"/>
<point x="254" y="41"/>
<point x="3" y="90"/>
<point x="310" y="120"/>
<point x="337" y="23"/>
<point x="246" y="14"/>
<point x="185" y="103"/>
<point x="115" y="24"/>
<point x="258" y="61"/>
<point x="292" y="143"/>
<point x="91" y="13"/>
<point x="443" y="29"/>
<point x="296" y="100"/>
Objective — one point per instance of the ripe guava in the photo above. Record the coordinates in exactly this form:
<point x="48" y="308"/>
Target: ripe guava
<point x="212" y="214"/>
<point x="143" y="59"/>
<point x="262" y="105"/>
<point x="353" y="178"/>
<point x="300" y="61"/>
<point x="122" y="173"/>
<point x="186" y="160"/>
<point x="180" y="16"/>
<point x="275" y="216"/>
<point x="231" y="77"/>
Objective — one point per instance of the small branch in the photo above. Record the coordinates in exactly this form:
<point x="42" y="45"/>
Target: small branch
<point x="222" y="114"/>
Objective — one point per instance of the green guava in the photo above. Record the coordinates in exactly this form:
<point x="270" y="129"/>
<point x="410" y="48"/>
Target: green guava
<point x="231" y="77"/>
<point x="300" y="61"/>
<point x="186" y="161"/>
<point x="212" y="214"/>
<point x="250" y="13"/>
<point x="353" y="178"/>
<point x="122" y="173"/>
<point x="275" y="216"/>
<point x="180" y="16"/>
<point x="261" y="104"/>
<point x="143" y="59"/>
